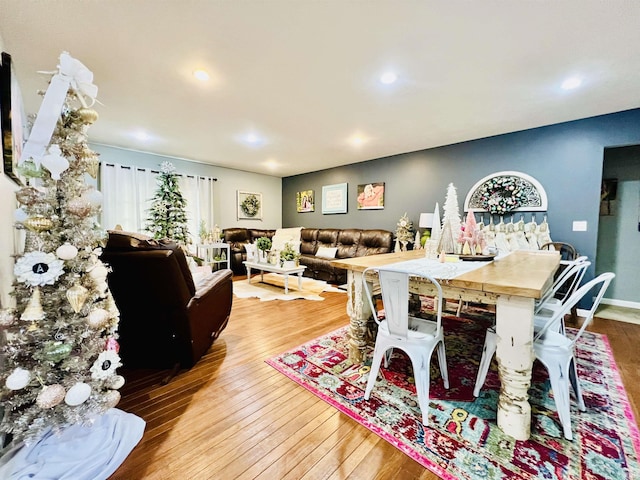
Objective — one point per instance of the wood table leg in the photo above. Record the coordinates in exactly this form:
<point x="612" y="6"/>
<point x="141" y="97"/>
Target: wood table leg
<point x="514" y="329"/>
<point x="359" y="313"/>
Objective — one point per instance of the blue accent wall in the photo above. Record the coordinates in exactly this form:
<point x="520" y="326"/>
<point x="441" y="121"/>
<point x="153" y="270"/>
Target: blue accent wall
<point x="566" y="158"/>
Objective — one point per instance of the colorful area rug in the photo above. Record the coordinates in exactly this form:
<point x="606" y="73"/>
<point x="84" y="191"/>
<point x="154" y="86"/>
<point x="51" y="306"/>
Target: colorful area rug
<point x="273" y="288"/>
<point x="462" y="440"/>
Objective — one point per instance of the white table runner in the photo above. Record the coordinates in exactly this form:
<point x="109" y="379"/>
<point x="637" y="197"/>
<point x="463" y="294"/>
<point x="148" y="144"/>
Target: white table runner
<point x="433" y="268"/>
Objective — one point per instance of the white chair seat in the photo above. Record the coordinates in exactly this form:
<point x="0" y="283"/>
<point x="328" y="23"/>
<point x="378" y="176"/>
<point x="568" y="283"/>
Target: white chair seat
<point x="417" y="337"/>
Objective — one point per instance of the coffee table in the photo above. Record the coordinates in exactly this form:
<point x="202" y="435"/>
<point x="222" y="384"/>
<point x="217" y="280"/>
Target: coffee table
<point x="268" y="267"/>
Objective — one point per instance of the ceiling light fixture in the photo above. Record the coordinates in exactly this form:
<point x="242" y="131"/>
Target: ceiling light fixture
<point x="357" y="140"/>
<point x="201" y="75"/>
<point x="142" y="136"/>
<point x="388" y="78"/>
<point x="571" y="83"/>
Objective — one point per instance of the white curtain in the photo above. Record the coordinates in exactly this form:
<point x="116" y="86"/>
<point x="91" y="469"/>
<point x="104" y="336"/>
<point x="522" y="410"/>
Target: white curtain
<point x="128" y="192"/>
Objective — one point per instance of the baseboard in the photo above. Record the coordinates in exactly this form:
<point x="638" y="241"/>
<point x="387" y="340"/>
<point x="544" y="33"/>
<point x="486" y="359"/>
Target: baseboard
<point x="620" y="303"/>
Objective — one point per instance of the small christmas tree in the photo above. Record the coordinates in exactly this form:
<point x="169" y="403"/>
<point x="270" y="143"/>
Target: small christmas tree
<point x="61" y="353"/>
<point x="168" y="216"/>
<point x="450" y="222"/>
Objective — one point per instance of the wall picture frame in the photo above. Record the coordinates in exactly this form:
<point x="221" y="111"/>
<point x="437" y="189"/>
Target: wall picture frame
<point x="334" y="199"/>
<point x="12" y="120"/>
<point x="305" y="201"/>
<point x="371" y="196"/>
<point x="249" y="205"/>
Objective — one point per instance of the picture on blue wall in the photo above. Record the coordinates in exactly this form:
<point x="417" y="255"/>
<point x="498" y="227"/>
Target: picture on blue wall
<point x="371" y="196"/>
<point x="304" y="201"/>
<point x="334" y="198"/>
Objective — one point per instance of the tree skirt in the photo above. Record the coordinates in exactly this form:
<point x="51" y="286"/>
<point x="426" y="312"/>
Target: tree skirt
<point x="78" y="452"/>
<point x="273" y="288"/>
<point x="462" y="440"/>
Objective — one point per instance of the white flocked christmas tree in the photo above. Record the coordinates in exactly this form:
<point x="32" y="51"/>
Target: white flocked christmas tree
<point x="451" y="222"/>
<point x="61" y="350"/>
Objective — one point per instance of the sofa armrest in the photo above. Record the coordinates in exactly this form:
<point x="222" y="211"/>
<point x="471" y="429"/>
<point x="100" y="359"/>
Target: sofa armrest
<point x="211" y="283"/>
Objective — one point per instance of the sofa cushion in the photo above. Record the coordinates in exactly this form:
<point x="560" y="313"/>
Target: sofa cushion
<point x="328" y="237"/>
<point x="347" y="244"/>
<point x="309" y="241"/>
<point x="374" y="242"/>
<point x="327" y="252"/>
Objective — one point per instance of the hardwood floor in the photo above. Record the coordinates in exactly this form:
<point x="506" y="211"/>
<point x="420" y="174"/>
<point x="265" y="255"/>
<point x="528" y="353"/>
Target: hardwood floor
<point x="233" y="416"/>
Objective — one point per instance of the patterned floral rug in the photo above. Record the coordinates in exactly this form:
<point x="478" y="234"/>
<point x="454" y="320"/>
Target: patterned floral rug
<point x="462" y="440"/>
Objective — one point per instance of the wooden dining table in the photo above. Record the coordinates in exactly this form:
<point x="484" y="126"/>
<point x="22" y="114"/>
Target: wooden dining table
<point x="512" y="283"/>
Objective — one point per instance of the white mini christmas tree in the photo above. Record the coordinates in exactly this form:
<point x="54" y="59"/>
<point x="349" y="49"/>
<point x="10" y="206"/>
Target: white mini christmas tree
<point x="450" y="222"/>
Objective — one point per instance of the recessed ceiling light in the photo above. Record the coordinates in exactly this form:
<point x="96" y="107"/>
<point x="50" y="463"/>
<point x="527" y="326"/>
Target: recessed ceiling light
<point x="571" y="83"/>
<point x="388" y="78"/>
<point x="201" y="75"/>
<point x="252" y="138"/>
<point x="357" y="140"/>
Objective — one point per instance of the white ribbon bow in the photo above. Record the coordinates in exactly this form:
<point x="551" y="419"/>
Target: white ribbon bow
<point x="71" y="74"/>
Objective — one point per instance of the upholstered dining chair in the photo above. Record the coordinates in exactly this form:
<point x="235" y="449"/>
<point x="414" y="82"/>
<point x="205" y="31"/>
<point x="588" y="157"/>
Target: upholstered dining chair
<point x="556" y="350"/>
<point x="417" y="337"/>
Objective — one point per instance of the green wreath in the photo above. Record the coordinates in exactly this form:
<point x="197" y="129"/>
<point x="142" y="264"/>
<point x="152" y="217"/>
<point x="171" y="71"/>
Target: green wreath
<point x="500" y="195"/>
<point x="250" y="206"/>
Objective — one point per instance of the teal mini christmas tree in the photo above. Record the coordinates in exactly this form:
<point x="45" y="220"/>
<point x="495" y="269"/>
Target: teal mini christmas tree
<point x="168" y="216"/>
<point x="60" y="350"/>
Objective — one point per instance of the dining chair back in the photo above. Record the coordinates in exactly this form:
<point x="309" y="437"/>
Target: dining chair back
<point x="556" y="350"/>
<point x="567" y="251"/>
<point x="564" y="285"/>
<point x="417" y="337"/>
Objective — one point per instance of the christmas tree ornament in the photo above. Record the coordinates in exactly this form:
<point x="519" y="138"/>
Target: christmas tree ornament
<point x="7" y="317"/>
<point x="77" y="394"/>
<point x="112" y="344"/>
<point x="38" y="223"/>
<point x="29" y="196"/>
<point x="105" y="366"/>
<point x="38" y="268"/>
<point x="33" y="312"/>
<point x="66" y="251"/>
<point x="77" y="295"/>
<point x="93" y="166"/>
<point x="115" y="382"/>
<point x="112" y="398"/>
<point x="19" y="215"/>
<point x="99" y="272"/>
<point x="93" y="197"/>
<point x="56" y="351"/>
<point x="98" y="318"/>
<point x="50" y="396"/>
<point x="29" y="169"/>
<point x="54" y="162"/>
<point x="88" y="115"/>
<point x="18" y="379"/>
<point x="79" y="207"/>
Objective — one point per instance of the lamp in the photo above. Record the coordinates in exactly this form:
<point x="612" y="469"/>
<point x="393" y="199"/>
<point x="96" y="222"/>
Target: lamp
<point x="426" y="222"/>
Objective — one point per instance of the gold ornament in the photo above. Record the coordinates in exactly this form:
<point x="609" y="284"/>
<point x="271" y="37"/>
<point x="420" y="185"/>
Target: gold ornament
<point x="38" y="224"/>
<point x="79" y="207"/>
<point x="97" y="318"/>
<point x="77" y="295"/>
<point x="34" y="311"/>
<point x="88" y="115"/>
<point x="93" y="166"/>
<point x="50" y="396"/>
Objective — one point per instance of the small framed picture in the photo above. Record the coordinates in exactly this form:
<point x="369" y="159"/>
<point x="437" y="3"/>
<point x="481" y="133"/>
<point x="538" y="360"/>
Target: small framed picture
<point x="304" y="201"/>
<point x="371" y="196"/>
<point x="249" y="205"/>
<point x="334" y="198"/>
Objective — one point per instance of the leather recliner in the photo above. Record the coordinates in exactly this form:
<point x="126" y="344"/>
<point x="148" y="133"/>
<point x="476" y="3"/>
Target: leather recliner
<point x="166" y="321"/>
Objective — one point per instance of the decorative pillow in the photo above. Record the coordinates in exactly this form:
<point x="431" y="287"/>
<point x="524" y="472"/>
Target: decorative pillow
<point x="327" y="252"/>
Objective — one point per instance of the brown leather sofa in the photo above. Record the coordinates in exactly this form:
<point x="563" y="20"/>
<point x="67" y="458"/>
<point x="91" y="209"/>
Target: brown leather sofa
<point x="347" y="242"/>
<point x="166" y="321"/>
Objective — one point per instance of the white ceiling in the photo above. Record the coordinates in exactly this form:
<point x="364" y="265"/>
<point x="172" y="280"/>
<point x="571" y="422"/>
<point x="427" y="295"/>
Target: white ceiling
<point x="304" y="74"/>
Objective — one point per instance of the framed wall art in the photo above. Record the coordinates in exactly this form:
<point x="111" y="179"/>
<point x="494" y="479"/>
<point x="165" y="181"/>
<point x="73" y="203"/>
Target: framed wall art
<point x="305" y="201"/>
<point x="371" y="196"/>
<point x="12" y="120"/>
<point x="249" y="205"/>
<point x="334" y="198"/>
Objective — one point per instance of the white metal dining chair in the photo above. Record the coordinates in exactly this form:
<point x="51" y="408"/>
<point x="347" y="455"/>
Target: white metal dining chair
<point x="556" y="351"/>
<point x="417" y="337"/>
<point x="546" y="308"/>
